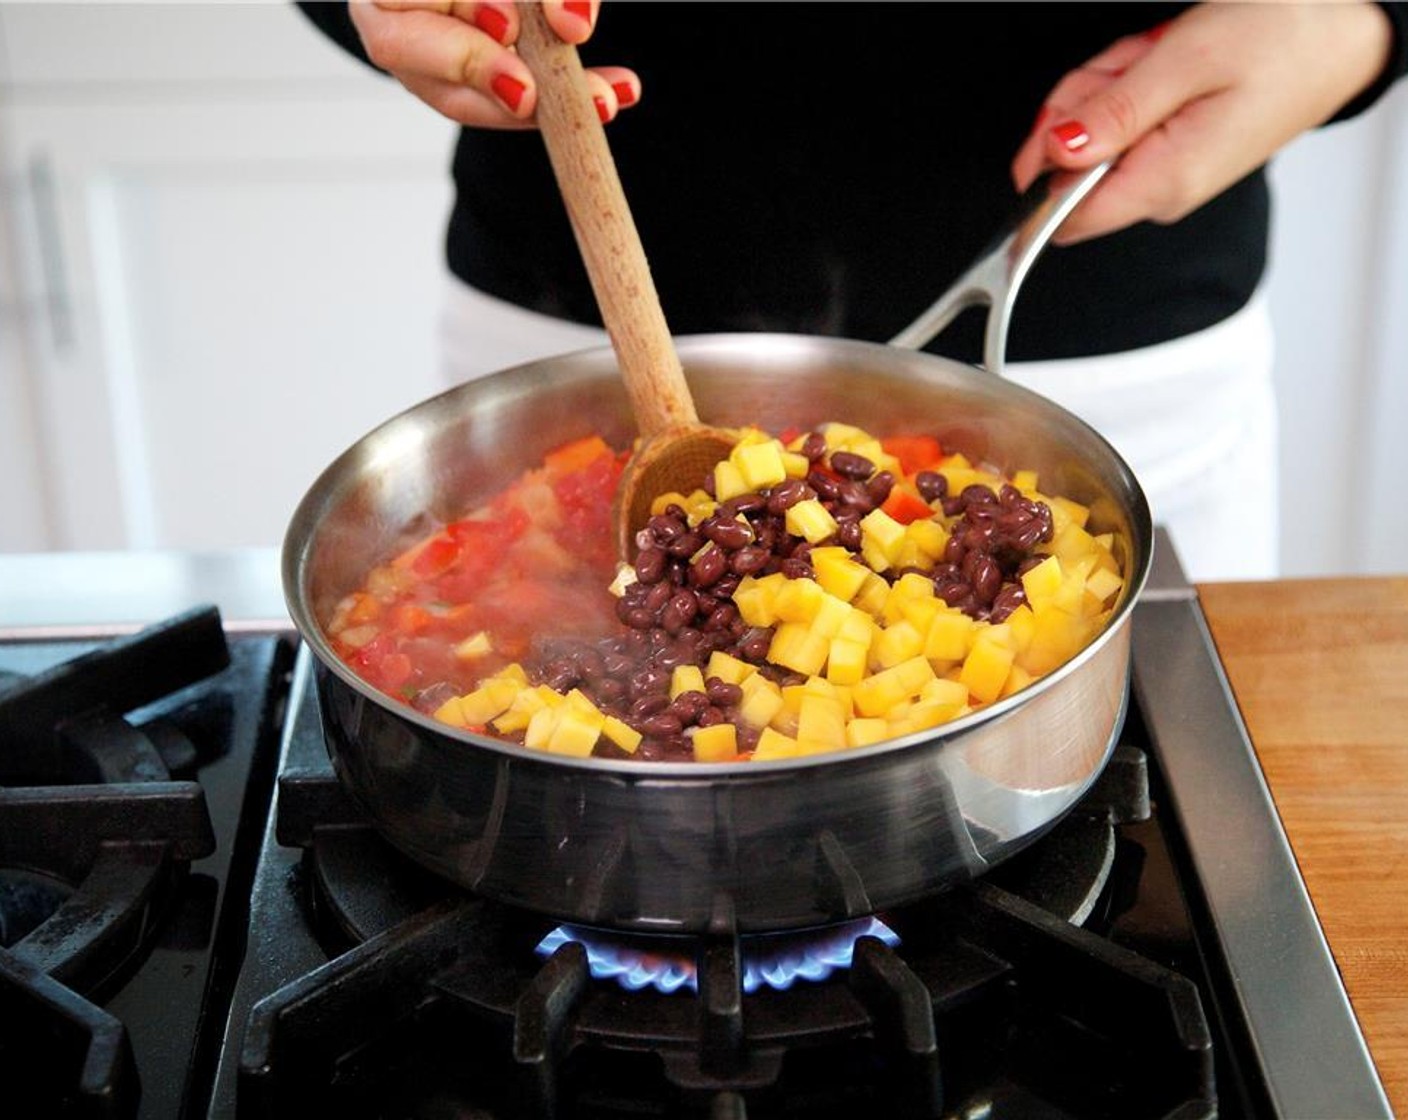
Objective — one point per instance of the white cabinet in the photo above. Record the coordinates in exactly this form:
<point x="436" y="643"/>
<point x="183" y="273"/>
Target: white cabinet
<point x="221" y="264"/>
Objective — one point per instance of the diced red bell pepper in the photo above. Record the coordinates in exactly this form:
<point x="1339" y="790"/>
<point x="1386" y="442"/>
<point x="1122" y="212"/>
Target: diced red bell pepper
<point x="915" y="453"/>
<point x="905" y="505"/>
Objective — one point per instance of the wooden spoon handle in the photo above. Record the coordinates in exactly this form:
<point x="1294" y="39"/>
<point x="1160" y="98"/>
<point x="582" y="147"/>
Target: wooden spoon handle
<point x="606" y="233"/>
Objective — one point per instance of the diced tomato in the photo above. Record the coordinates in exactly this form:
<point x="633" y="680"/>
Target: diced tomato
<point x="787" y="435"/>
<point x="905" y="505"/>
<point x="395" y="671"/>
<point x="915" y="453"/>
<point x="576" y="455"/>
<point x="408" y="618"/>
<point x="439" y="554"/>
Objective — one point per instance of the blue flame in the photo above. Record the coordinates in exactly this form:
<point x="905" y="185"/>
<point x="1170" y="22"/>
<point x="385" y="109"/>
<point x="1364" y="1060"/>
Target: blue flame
<point x="772" y="960"/>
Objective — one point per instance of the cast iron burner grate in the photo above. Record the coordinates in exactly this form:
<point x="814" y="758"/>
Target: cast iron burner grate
<point x="97" y="831"/>
<point x="993" y="1003"/>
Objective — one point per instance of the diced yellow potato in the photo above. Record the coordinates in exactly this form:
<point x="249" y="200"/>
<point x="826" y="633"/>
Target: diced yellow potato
<point x="1025" y="481"/>
<point x="797" y="600"/>
<point x="883" y="531"/>
<point x="774" y="745"/>
<point x="950" y="636"/>
<point x="717" y="743"/>
<point x="925" y="715"/>
<point x="622" y="734"/>
<point x="1042" y="581"/>
<point x="821" y="720"/>
<point x="686" y="678"/>
<point x="840" y="437"/>
<point x="476" y="645"/>
<point x="1017" y="680"/>
<point x="728" y="668"/>
<point x="920" y="613"/>
<point x="810" y="520"/>
<point x="986" y="667"/>
<point x="880" y="692"/>
<point x="541" y="725"/>
<point x="729" y="481"/>
<point x="909" y="586"/>
<point x="940" y="691"/>
<point x="762" y="700"/>
<point x="449" y="712"/>
<point x="795" y="646"/>
<point x="858" y="627"/>
<point x="874" y="556"/>
<point x="831" y="614"/>
<point x="795" y="464"/>
<point x="863" y="730"/>
<point x="760" y="464"/>
<point x="872" y="596"/>
<point x="896" y="643"/>
<point x="756" y="597"/>
<point x="576" y="732"/>
<point x="1072" y="543"/>
<point x="929" y="536"/>
<point x="837" y="572"/>
<point x="1022" y="623"/>
<point x="846" y="661"/>
<point x="1064" y="511"/>
<point x="1103" y="583"/>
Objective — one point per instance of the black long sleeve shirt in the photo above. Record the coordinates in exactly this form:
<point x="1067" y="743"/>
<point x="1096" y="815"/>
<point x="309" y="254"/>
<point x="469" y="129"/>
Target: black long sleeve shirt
<point x="847" y="163"/>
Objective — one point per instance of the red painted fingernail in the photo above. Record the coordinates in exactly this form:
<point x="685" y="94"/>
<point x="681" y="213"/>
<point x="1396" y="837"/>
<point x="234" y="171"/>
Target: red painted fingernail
<point x="1071" y="135"/>
<point x="1154" y="34"/>
<point x="582" y="9"/>
<point x="492" y="22"/>
<point x="625" y="93"/>
<point x="602" y="109"/>
<point x="508" y="90"/>
<point x="1041" y="115"/>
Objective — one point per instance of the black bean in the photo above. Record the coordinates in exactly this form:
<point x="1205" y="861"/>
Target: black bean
<point x="709" y="567"/>
<point x="849" y="534"/>
<point x="826" y="486"/>
<point x="650" y="564"/>
<point x="744" y="503"/>
<point x="880" y="487"/>
<point x="797" y="569"/>
<point x="687" y="705"/>
<point x="639" y="618"/>
<point x="748" y="560"/>
<point x="755" y="644"/>
<point x="665" y="527"/>
<point x="814" y="446"/>
<point x="723" y="693"/>
<point x="850" y="465"/>
<point x="787" y="494"/>
<point x="1006" y="601"/>
<point x="657" y="596"/>
<point x="855" y="496"/>
<point x="645" y="706"/>
<point x="661" y="725"/>
<point x="720" y="619"/>
<point x="986" y="578"/>
<point x="932" y="485"/>
<point x="686" y="544"/>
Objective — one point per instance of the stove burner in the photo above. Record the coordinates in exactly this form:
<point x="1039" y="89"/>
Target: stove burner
<point x="775" y="961"/>
<point x="96" y="839"/>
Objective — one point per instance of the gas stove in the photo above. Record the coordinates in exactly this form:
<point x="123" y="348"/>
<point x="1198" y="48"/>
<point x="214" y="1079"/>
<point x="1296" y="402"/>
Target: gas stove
<point x="195" y="920"/>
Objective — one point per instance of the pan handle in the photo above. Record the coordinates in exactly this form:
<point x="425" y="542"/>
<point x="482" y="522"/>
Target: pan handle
<point x="995" y="277"/>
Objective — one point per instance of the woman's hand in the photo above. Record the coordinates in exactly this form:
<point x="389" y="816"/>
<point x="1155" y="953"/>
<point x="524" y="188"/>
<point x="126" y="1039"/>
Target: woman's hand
<point x="457" y="56"/>
<point x="1194" y="105"/>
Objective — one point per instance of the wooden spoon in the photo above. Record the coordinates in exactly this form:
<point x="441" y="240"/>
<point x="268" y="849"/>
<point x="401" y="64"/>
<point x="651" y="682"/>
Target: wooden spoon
<point x="674" y="450"/>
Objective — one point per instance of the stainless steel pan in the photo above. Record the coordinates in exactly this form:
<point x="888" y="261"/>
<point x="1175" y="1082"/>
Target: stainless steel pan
<point x="734" y="846"/>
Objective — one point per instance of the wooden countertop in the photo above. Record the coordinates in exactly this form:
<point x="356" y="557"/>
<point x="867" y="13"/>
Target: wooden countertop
<point x="1320" y="671"/>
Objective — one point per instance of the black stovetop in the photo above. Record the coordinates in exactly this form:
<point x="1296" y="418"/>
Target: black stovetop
<point x="278" y="958"/>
